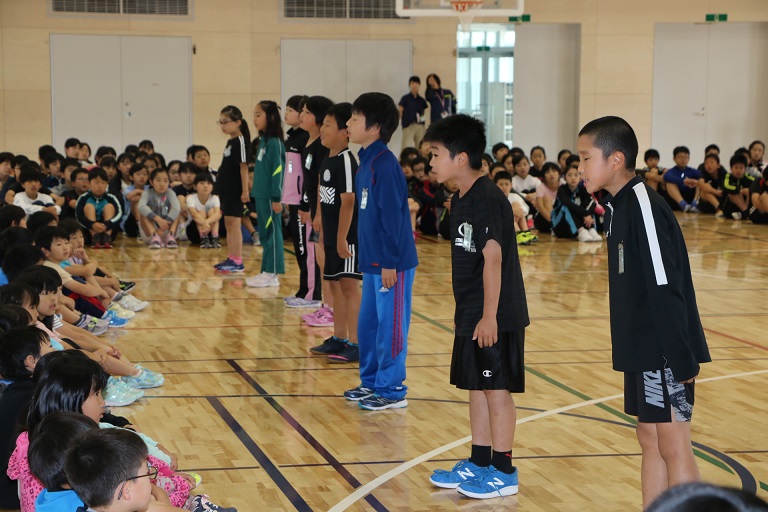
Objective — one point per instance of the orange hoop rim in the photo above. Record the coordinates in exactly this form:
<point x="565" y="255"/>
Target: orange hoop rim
<point x="465" y="5"/>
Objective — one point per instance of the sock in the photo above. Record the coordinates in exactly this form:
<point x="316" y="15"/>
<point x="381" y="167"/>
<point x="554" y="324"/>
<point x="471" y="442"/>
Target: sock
<point x="336" y="338"/>
<point x="351" y="344"/>
<point x="82" y="321"/>
<point x="238" y="261"/>
<point x="694" y="203"/>
<point x="481" y="456"/>
<point x="502" y="461"/>
<point x="682" y="204"/>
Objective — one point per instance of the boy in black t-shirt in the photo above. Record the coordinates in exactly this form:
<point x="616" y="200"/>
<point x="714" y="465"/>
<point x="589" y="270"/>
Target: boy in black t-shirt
<point x="711" y="185"/>
<point x="736" y="186"/>
<point x="656" y="333"/>
<point x="490" y="318"/>
<point x="339" y="219"/>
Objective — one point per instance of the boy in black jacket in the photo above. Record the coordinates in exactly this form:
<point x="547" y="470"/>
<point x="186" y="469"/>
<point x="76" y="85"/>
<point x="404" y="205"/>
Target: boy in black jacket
<point x="657" y="337"/>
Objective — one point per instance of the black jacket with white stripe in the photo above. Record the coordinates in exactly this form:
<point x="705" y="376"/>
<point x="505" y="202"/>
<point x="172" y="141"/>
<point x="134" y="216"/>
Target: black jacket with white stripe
<point x="655" y="323"/>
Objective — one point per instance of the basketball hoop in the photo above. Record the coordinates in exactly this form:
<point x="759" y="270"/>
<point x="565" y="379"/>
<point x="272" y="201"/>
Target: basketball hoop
<point x="465" y="9"/>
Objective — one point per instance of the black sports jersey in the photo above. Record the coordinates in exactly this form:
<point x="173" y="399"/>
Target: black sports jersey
<point x="238" y="151"/>
<point x="181" y="191"/>
<point x="715" y="181"/>
<point x="758" y="186"/>
<point x="337" y="176"/>
<point x="296" y="140"/>
<point x="311" y="158"/>
<point x="733" y="185"/>
<point x="483" y="214"/>
<point x="655" y="323"/>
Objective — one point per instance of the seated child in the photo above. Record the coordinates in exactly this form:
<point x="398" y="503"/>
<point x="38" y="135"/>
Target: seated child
<point x="48" y="445"/>
<point x="652" y="173"/>
<point x="736" y="185"/>
<point x="522" y="182"/>
<point x="99" y="211"/>
<point x="204" y="211"/>
<point x="711" y="186"/>
<point x="450" y="187"/>
<point x="80" y="185"/>
<point x="546" y="194"/>
<point x="573" y="215"/>
<point x="39" y="220"/>
<point x="31" y="199"/>
<point x="159" y="209"/>
<point x="682" y="181"/>
<point x="132" y="195"/>
<point x="503" y="180"/>
<point x="758" y="214"/>
<point x="12" y="215"/>
<point x="186" y="172"/>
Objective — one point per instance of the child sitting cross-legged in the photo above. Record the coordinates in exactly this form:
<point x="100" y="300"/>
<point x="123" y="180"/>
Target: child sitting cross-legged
<point x="204" y="209"/>
<point x="573" y="215"/>
<point x="159" y="209"/>
<point x="520" y="208"/>
<point x="98" y="210"/>
<point x="31" y="199"/>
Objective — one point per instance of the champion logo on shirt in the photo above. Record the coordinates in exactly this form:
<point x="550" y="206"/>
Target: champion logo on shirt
<point x="228" y="151"/>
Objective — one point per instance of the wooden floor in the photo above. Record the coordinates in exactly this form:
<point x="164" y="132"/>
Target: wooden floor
<point x="246" y="405"/>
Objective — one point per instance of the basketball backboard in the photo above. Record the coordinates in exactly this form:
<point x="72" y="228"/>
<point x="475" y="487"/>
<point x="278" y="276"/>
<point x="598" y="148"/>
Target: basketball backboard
<point x="465" y="10"/>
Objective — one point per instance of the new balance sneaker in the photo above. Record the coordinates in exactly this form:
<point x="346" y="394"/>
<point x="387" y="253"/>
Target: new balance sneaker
<point x="205" y="242"/>
<point x="463" y="471"/>
<point x="323" y="317"/>
<point x="145" y="379"/>
<point x="349" y="354"/>
<point x="131" y="303"/>
<point x="228" y="266"/>
<point x="121" y="312"/>
<point x="299" y="303"/>
<point x="156" y="242"/>
<point x="202" y="503"/>
<point x="126" y="286"/>
<point x="95" y="326"/>
<point x="215" y="243"/>
<point x="490" y="483"/>
<point x="358" y="393"/>
<point x="379" y="403"/>
<point x="114" y="320"/>
<point x="170" y="242"/>
<point x="329" y="346"/>
<point x="263" y="280"/>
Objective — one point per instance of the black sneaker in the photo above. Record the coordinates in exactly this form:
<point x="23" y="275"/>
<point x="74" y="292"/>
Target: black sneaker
<point x="215" y="242"/>
<point x="358" y="393"/>
<point x="379" y="403"/>
<point x="329" y="346"/>
<point x="350" y="354"/>
<point x="205" y="242"/>
<point x="127" y="286"/>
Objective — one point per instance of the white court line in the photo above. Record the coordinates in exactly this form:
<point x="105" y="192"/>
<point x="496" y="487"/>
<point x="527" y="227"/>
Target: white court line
<point x="364" y="490"/>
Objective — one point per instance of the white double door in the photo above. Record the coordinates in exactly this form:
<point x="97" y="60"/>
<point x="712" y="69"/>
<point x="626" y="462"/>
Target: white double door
<point x="119" y="90"/>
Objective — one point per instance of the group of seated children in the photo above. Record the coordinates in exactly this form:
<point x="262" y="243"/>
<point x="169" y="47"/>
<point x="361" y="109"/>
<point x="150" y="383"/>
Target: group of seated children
<point x="62" y="450"/>
<point x="738" y="192"/>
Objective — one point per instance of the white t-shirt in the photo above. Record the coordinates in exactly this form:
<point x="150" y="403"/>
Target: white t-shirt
<point x="515" y="198"/>
<point x="521" y="185"/>
<point x="193" y="203"/>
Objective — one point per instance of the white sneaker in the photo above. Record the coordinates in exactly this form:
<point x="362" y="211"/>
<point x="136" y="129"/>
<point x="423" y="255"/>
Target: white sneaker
<point x="263" y="280"/>
<point x="300" y="303"/>
<point x="584" y="235"/>
<point x="131" y="303"/>
<point x="121" y="312"/>
<point x="595" y="235"/>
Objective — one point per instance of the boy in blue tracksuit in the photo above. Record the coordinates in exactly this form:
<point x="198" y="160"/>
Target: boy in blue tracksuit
<point x="387" y="256"/>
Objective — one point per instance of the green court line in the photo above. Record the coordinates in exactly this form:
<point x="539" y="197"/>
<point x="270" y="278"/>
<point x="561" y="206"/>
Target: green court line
<point x="619" y="414"/>
<point x="764" y="486"/>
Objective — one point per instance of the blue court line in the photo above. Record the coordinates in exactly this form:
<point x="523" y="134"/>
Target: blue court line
<point x="274" y="473"/>
<point x="314" y="443"/>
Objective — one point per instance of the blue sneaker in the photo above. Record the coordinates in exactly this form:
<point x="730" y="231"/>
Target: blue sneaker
<point x="228" y="266"/>
<point x="358" y="393"/>
<point x="379" y="403"/>
<point x="115" y="321"/>
<point x="144" y="380"/>
<point x="463" y="471"/>
<point x="490" y="483"/>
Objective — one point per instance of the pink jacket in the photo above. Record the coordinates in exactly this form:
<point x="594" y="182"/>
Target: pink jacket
<point x="18" y="469"/>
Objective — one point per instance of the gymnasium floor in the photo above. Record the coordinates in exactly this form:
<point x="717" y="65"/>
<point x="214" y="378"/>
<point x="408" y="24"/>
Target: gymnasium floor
<point x="246" y="405"/>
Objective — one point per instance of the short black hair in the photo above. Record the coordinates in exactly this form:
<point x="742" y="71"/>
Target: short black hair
<point x="28" y="174"/>
<point x="10" y="214"/>
<point x="18" y="294"/>
<point x="699" y="496"/>
<point x="154" y="174"/>
<point x="713" y="156"/>
<point x="680" y="149"/>
<point x="146" y="143"/>
<point x="49" y="158"/>
<point x="14" y="235"/>
<point x="5" y="156"/>
<point x="414" y="78"/>
<point x="419" y="160"/>
<point x="651" y="153"/>
<point x="613" y="134"/>
<point x="497" y="165"/>
<point x="40" y="278"/>
<point x="99" y="461"/>
<point x="408" y="153"/>
<point x="98" y="172"/>
<point x="379" y="110"/>
<point x="318" y="106"/>
<point x="502" y="175"/>
<point x="296" y="102"/>
<point x="739" y="158"/>
<point x="562" y="152"/>
<point x="46" y="235"/>
<point x="460" y="133"/>
<point x="71" y="142"/>
<point x="136" y="168"/>
<point x="573" y="159"/>
<point x="75" y="172"/>
<point x="511" y="156"/>
<point x="203" y="177"/>
<point x="70" y="162"/>
<point x="131" y="148"/>
<point x="70" y="226"/>
<point x="126" y="156"/>
<point x="39" y="220"/>
<point x="756" y="143"/>
<point x="44" y="150"/>
<point x="108" y="161"/>
<point x="18" y="341"/>
<point x="534" y="148"/>
<point x="19" y="257"/>
<point x="498" y="146"/>
<point x="711" y="147"/>
<point x="189" y="167"/>
<point x="49" y="444"/>
<point x="548" y="166"/>
<point x="18" y="160"/>
<point x="341" y="112"/>
<point x="103" y="151"/>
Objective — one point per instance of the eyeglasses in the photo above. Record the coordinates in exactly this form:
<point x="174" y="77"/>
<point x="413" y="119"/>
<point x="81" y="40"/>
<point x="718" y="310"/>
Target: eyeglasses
<point x="222" y="123"/>
<point x="151" y="473"/>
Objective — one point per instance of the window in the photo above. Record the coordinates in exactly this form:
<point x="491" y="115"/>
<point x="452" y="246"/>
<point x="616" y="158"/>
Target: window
<point x="153" y="7"/>
<point x="340" y="9"/>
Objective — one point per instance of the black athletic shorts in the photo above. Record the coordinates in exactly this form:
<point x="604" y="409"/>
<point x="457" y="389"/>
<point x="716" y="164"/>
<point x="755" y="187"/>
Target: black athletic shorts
<point x="500" y="366"/>
<point x="336" y="268"/>
<point x="652" y="396"/>
<point x="229" y="193"/>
